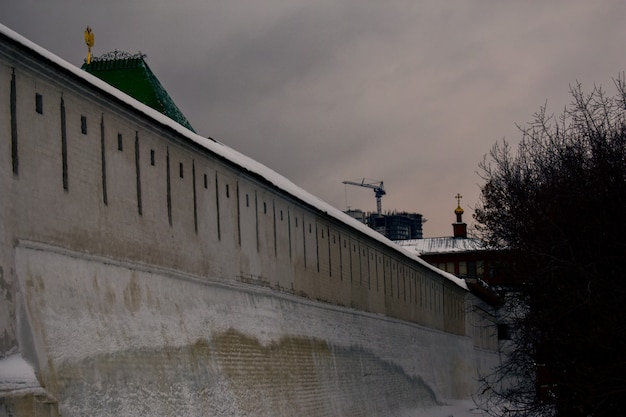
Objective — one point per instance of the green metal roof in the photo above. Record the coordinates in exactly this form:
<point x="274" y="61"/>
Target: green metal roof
<point x="131" y="74"/>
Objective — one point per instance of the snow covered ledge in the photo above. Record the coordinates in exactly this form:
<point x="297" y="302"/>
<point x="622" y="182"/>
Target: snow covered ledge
<point x="20" y="391"/>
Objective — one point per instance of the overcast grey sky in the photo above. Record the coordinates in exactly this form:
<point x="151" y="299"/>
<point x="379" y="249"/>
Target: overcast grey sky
<point x="413" y="93"/>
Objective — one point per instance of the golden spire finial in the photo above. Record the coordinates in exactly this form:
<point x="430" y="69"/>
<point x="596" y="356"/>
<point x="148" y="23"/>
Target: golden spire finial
<point x="458" y="210"/>
<point x="89" y="42"/>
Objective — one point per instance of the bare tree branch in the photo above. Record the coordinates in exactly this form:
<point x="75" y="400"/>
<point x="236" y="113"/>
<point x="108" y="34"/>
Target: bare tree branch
<point x="559" y="206"/>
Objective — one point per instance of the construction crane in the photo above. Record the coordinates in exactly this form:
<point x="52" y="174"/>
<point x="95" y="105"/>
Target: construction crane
<point x="377" y="186"/>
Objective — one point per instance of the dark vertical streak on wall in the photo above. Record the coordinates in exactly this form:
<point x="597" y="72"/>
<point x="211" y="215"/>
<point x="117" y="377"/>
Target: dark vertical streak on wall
<point x="14" y="155"/>
<point x="398" y="282"/>
<point x="238" y="215"/>
<point x="360" y="265"/>
<point x="64" y="144"/>
<point x="274" y="215"/>
<point x="369" y="271"/>
<point x="304" y="240"/>
<point x="391" y="272"/>
<point x="256" y="217"/>
<point x="217" y="205"/>
<point x="340" y="260"/>
<point x="384" y="277"/>
<point x="168" y="186"/>
<point x="289" y="230"/>
<point x="138" y="174"/>
<point x="103" y="160"/>
<point x="195" y="197"/>
<point x="351" y="267"/>
<point x="317" y="249"/>
<point x="403" y="284"/>
<point x="377" y="281"/>
<point x="398" y="269"/>
<point x="400" y="274"/>
<point x="330" y="254"/>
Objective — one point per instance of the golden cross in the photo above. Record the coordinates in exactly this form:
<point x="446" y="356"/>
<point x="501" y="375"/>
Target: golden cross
<point x="89" y="42"/>
<point x="458" y="197"/>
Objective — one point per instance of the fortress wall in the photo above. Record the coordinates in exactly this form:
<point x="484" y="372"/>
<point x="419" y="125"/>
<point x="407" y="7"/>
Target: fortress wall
<point x="128" y="339"/>
<point x="90" y="176"/>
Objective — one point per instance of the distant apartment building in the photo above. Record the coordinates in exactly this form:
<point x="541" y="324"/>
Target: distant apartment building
<point x="393" y="225"/>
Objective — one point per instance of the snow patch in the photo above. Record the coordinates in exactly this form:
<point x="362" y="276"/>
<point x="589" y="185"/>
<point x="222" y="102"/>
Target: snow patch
<point x="17" y="377"/>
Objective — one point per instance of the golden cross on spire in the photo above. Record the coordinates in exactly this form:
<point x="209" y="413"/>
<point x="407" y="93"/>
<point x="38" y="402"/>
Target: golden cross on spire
<point x="89" y="42"/>
<point x="458" y="197"/>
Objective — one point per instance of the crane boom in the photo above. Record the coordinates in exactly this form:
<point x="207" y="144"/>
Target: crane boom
<point x="377" y="186"/>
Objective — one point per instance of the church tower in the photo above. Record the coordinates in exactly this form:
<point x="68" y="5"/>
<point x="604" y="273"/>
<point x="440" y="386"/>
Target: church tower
<point x="459" y="228"/>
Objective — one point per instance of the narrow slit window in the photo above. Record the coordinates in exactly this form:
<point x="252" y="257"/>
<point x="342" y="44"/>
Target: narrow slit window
<point x="152" y="157"/>
<point x="38" y="103"/>
<point x="120" y="142"/>
<point x="180" y="169"/>
<point x="206" y="183"/>
<point x="227" y="191"/>
<point x="83" y="125"/>
<point x="247" y="200"/>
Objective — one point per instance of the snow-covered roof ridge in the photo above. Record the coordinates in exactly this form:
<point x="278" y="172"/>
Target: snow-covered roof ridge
<point x="443" y="245"/>
<point x="223" y="151"/>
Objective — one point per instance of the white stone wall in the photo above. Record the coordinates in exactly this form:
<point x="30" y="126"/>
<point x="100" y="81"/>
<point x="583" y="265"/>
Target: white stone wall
<point x="158" y="253"/>
<point x="119" y="338"/>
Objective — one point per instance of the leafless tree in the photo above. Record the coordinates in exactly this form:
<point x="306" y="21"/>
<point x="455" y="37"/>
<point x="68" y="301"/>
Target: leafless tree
<point x="558" y="205"/>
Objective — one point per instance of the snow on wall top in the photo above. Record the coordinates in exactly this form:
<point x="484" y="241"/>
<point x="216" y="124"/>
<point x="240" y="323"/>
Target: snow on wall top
<point x="223" y="151"/>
